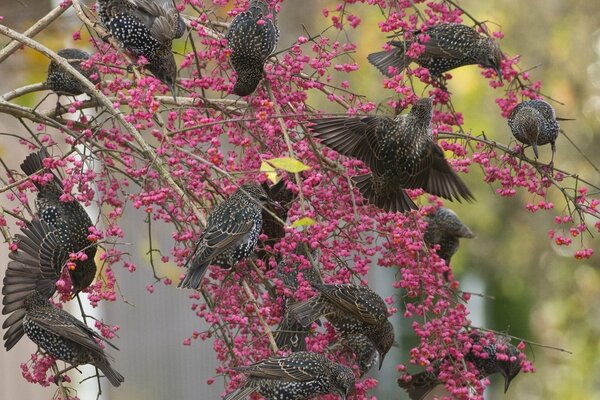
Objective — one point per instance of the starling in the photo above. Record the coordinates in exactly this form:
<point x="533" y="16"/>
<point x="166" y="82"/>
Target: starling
<point x="424" y="382"/>
<point x="444" y="228"/>
<point x="272" y="227"/>
<point x="298" y="376"/>
<point x="449" y="46"/>
<point x="146" y="28"/>
<point x="365" y="353"/>
<point x="351" y="309"/>
<point x="400" y="152"/>
<point x="61" y="82"/>
<point x="533" y="122"/>
<point x="68" y="218"/>
<point x="64" y="337"/>
<point x="35" y="267"/>
<point x="291" y="334"/>
<point x="252" y="37"/>
<point x="230" y="235"/>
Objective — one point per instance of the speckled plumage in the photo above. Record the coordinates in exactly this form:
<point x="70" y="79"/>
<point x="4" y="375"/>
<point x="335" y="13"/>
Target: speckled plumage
<point x="352" y="309"/>
<point x="252" y="37"/>
<point x="34" y="267"/>
<point x="400" y="153"/>
<point x="272" y="227"/>
<point x="146" y="28"/>
<point x="365" y="352"/>
<point x="60" y="81"/>
<point x="445" y="229"/>
<point x="291" y="334"/>
<point x="69" y="219"/>
<point x="230" y="235"/>
<point x="424" y="382"/>
<point x="449" y="46"/>
<point x="298" y="376"/>
<point x="533" y="122"/>
<point x="64" y="337"/>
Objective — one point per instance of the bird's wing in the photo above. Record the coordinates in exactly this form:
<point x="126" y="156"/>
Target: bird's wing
<point x="160" y="16"/>
<point x="437" y="46"/>
<point x="351" y="136"/>
<point x="281" y="368"/>
<point x="350" y="299"/>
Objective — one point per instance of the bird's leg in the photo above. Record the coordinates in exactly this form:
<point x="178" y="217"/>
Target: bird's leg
<point x="99" y="384"/>
<point x="551" y="165"/>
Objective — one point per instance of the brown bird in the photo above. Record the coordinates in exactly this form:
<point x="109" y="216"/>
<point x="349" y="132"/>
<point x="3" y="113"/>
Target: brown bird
<point x="445" y="229"/>
<point x="400" y="152"/>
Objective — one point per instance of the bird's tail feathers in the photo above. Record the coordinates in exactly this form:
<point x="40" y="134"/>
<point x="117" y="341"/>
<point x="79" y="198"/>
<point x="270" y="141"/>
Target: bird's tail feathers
<point x="306" y="312"/>
<point x="420" y="385"/>
<point x="239" y="394"/>
<point x="382" y="60"/>
<point x="111" y="374"/>
<point x="34" y="163"/>
<point x="194" y="276"/>
<point x="395" y="200"/>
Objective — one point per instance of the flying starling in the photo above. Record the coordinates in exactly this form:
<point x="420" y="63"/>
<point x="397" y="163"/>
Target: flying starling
<point x="424" y="382"/>
<point x="352" y="309"/>
<point x="63" y="83"/>
<point x="273" y="227"/>
<point x="400" y="152"/>
<point x="252" y="37"/>
<point x="230" y="235"/>
<point x="365" y="353"/>
<point x="298" y="376"/>
<point x="444" y="228"/>
<point x="35" y="267"/>
<point x="68" y="218"/>
<point x="533" y="122"/>
<point x="449" y="46"/>
<point x="146" y="28"/>
<point x="64" y="337"/>
<point x="291" y="334"/>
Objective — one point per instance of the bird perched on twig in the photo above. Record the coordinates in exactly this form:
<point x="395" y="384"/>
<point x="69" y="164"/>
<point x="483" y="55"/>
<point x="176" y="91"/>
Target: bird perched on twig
<point x="69" y="218"/>
<point x="534" y="122"/>
<point x="252" y="38"/>
<point x="230" y="235"/>
<point x="449" y="46"/>
<point x="64" y="337"/>
<point x="34" y="267"/>
<point x="400" y="152"/>
<point x="274" y="227"/>
<point x="445" y="229"/>
<point x="298" y="376"/>
<point x="352" y="309"/>
<point x="61" y="82"/>
<point x="146" y="28"/>
<point x="506" y="363"/>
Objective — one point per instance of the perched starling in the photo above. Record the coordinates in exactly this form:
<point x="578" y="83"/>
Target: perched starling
<point x="64" y="337"/>
<point x="299" y="376"/>
<point x="400" y="153"/>
<point x="533" y="122"/>
<point x="291" y="334"/>
<point x="230" y="235"/>
<point x="444" y="228"/>
<point x="424" y="382"/>
<point x="252" y="37"/>
<point x="365" y="353"/>
<point x="35" y="267"/>
<point x="351" y="309"/>
<point x="273" y="227"/>
<point x="68" y="218"/>
<point x="449" y="46"/>
<point x="146" y="28"/>
<point x="61" y="82"/>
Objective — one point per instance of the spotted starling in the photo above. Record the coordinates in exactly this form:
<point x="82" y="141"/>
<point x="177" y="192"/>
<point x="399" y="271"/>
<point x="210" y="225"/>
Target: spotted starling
<point x="68" y="218"/>
<point x="424" y="382"/>
<point x="230" y="235"/>
<point x="533" y="122"/>
<point x="61" y="82"/>
<point x="64" y="337"/>
<point x="298" y="376"/>
<point x="352" y="309"/>
<point x="365" y="353"/>
<point x="444" y="228"/>
<point x="146" y="28"/>
<point x="272" y="227"/>
<point x="252" y="37"/>
<point x="449" y="46"/>
<point x="291" y="334"/>
<point x="35" y="267"/>
<point x="400" y="153"/>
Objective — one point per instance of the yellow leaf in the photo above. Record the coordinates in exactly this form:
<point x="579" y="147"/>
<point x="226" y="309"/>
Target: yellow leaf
<point x="288" y="164"/>
<point x="269" y="170"/>
<point x="304" y="221"/>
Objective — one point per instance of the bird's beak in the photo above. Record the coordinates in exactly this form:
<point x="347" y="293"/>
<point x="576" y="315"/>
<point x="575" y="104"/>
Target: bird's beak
<point x="499" y="73"/>
<point x="535" y="150"/>
<point x="506" y="383"/>
<point x="381" y="358"/>
<point x="173" y="88"/>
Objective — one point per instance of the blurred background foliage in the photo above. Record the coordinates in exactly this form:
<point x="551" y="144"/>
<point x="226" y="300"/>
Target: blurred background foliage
<point x="533" y="289"/>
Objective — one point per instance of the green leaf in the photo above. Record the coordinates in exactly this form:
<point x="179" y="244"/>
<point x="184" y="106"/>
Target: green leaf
<point x="288" y="164"/>
<point x="304" y="221"/>
<point x="269" y="170"/>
